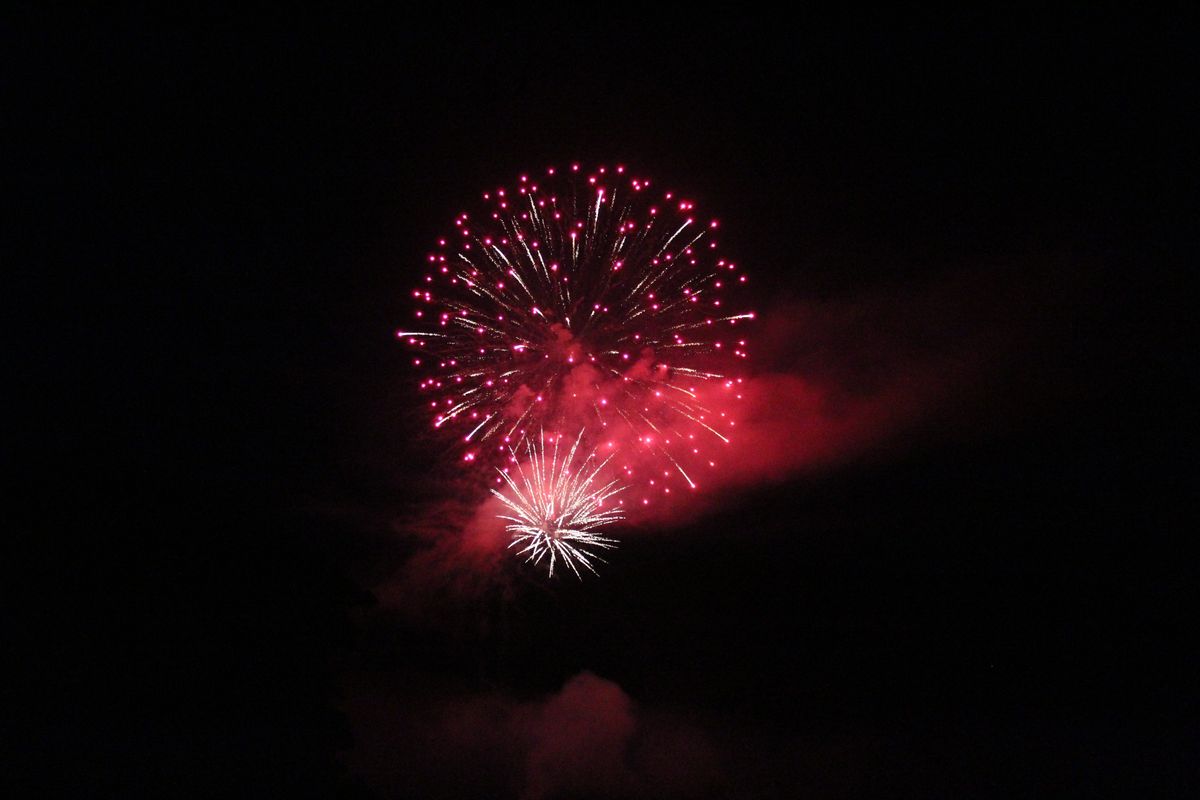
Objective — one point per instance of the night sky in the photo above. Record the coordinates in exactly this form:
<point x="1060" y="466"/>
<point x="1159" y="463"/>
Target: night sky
<point x="237" y="571"/>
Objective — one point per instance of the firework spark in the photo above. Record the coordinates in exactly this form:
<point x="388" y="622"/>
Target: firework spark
<point x="583" y="299"/>
<point x="558" y="505"/>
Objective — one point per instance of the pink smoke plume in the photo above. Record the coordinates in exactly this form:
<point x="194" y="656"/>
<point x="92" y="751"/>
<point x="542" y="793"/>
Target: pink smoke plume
<point x="589" y="738"/>
<point x="840" y="382"/>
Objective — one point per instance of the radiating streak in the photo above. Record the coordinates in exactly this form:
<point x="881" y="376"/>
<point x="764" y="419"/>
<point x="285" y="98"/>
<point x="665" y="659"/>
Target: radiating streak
<point x="676" y="463"/>
<point x="480" y="425"/>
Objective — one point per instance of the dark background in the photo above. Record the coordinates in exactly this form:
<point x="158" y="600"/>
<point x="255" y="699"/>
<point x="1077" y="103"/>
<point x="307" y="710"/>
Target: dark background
<point x="213" y="222"/>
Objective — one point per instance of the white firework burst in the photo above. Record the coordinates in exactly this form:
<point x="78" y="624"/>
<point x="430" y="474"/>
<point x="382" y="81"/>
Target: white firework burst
<point x="558" y="505"/>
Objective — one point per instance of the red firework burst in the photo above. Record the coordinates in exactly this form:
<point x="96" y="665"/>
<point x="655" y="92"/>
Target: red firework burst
<point x="583" y="299"/>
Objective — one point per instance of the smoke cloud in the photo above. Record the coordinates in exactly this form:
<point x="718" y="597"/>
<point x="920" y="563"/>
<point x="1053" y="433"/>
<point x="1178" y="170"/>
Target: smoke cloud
<point x="833" y="383"/>
<point x="590" y="739"/>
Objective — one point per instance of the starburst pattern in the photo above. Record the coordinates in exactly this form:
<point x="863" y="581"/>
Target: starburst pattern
<point x="558" y="504"/>
<point x="584" y="298"/>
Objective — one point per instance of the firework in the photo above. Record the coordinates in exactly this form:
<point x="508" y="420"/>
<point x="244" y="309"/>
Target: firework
<point x="558" y="505"/>
<point x="583" y="299"/>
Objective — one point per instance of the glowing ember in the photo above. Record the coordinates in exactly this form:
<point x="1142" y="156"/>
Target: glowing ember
<point x="558" y="505"/>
